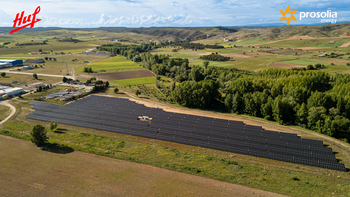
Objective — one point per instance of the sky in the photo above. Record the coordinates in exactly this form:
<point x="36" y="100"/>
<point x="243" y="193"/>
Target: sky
<point x="168" y="13"/>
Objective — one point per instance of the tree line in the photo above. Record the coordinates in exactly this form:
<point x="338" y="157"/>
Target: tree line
<point x="309" y="98"/>
<point x="214" y="57"/>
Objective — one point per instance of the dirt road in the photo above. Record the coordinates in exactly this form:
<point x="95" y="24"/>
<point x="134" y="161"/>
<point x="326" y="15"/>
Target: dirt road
<point x="12" y="108"/>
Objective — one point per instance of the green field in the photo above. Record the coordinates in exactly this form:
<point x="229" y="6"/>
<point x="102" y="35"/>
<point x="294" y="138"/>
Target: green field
<point x="336" y="69"/>
<point x="212" y="63"/>
<point x="134" y="81"/>
<point x="332" y="43"/>
<point x="304" y="62"/>
<point x="179" y="55"/>
<point x="249" y="41"/>
<point x="26" y="79"/>
<point x="308" y="43"/>
<point x="113" y="64"/>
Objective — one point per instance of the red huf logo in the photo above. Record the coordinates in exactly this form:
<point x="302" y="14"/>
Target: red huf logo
<point x="22" y="20"/>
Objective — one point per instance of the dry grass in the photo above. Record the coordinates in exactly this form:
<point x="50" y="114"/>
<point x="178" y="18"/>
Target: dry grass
<point x="4" y="112"/>
<point x="286" y="65"/>
<point x="28" y="171"/>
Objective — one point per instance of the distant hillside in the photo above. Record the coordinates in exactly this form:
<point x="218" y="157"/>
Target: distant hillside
<point x="210" y="35"/>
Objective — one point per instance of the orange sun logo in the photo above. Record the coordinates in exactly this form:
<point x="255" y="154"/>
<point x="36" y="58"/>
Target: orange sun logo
<point x="291" y="12"/>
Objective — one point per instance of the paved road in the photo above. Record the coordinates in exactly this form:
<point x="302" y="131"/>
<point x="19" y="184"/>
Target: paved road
<point x="45" y="75"/>
<point x="12" y="108"/>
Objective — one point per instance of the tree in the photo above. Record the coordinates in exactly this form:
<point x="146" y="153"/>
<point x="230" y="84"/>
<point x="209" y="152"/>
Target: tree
<point x="228" y="102"/>
<point x="64" y="80"/>
<point x="38" y="135"/>
<point x="35" y="76"/>
<point x="52" y="126"/>
<point x="137" y="93"/>
<point x="46" y="58"/>
<point x="107" y="84"/>
<point x="3" y="74"/>
<point x="206" y="64"/>
<point x="90" y="70"/>
<point x="55" y="124"/>
<point x="237" y="103"/>
<point x="116" y="90"/>
<point x="301" y="116"/>
<point x="310" y="67"/>
<point x="40" y="89"/>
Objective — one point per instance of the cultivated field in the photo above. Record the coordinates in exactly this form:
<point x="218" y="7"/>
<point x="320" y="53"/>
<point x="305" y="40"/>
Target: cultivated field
<point x="27" y="79"/>
<point x="286" y="65"/>
<point x="133" y="81"/>
<point x="113" y="64"/>
<point x="121" y="75"/>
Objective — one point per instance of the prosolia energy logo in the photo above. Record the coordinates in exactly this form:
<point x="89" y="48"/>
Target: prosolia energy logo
<point x="326" y="17"/>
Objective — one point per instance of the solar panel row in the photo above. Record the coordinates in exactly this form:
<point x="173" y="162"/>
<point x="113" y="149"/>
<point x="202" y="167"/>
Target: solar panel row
<point x="120" y="115"/>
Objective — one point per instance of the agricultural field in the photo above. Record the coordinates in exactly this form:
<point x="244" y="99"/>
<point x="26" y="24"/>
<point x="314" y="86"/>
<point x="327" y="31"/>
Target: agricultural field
<point x="299" y="43"/>
<point x="121" y="75"/>
<point x="304" y="62"/>
<point x="58" y="67"/>
<point x="134" y="81"/>
<point x="106" y="176"/>
<point x="112" y="64"/>
<point x="27" y="79"/>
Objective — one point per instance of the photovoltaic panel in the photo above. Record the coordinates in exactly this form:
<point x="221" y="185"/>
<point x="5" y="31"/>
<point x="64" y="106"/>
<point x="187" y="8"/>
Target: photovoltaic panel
<point x="120" y="115"/>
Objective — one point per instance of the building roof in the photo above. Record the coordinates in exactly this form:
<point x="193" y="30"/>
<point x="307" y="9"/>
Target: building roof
<point x="38" y="83"/>
<point x="6" y="60"/>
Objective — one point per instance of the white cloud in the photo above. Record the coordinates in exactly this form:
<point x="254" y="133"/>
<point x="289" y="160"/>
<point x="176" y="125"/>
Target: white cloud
<point x="135" y="13"/>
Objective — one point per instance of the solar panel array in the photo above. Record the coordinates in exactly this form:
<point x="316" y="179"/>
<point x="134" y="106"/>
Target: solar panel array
<point x="120" y="115"/>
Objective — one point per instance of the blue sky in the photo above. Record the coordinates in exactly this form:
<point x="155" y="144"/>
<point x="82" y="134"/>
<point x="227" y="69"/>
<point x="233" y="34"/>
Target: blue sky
<point x="174" y="13"/>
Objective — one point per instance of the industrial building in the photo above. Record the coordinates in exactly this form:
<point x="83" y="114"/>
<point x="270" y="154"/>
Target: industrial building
<point x="6" y="90"/>
<point x="37" y="85"/>
<point x="4" y="63"/>
<point x="38" y="61"/>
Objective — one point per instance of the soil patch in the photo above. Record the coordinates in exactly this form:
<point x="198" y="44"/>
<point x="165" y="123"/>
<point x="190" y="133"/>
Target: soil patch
<point x="346" y="44"/>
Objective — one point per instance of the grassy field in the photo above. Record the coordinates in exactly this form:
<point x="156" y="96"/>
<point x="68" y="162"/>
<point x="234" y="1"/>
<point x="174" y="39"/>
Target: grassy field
<point x="113" y="64"/>
<point x="212" y="63"/>
<point x="4" y="112"/>
<point x="26" y="79"/>
<point x="60" y="66"/>
<point x="249" y="41"/>
<point x="336" y="69"/>
<point x="270" y="175"/>
<point x="304" y="62"/>
<point x="258" y="63"/>
<point x="52" y="45"/>
<point x="308" y="43"/>
<point x="134" y="81"/>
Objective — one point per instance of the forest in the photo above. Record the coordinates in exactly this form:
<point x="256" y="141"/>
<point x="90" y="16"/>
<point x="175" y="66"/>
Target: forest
<point x="308" y="98"/>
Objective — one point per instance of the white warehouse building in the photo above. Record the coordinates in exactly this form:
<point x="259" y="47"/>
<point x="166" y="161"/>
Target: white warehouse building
<point x="11" y="91"/>
<point x="5" y="63"/>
